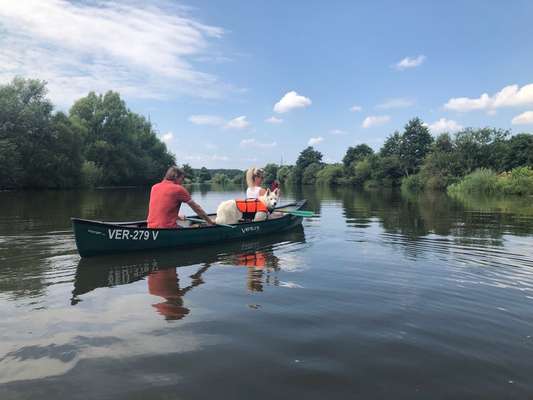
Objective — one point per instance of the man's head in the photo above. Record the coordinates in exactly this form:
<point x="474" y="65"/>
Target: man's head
<point x="175" y="175"/>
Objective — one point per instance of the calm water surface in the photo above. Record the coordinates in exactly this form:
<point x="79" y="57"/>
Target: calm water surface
<point x="384" y="295"/>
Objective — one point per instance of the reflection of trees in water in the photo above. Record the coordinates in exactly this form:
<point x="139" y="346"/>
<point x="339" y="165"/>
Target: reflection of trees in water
<point x="417" y="215"/>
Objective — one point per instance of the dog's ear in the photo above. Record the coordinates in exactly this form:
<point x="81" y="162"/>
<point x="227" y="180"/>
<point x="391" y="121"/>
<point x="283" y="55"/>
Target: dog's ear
<point x="267" y="192"/>
<point x="276" y="191"/>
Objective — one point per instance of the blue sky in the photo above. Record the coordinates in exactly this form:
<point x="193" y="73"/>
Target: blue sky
<point x="209" y="74"/>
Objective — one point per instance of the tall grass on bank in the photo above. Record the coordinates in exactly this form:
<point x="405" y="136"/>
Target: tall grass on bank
<point x="518" y="181"/>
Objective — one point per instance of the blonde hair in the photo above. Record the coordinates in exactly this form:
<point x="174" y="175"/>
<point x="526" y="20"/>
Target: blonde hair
<point x="251" y="173"/>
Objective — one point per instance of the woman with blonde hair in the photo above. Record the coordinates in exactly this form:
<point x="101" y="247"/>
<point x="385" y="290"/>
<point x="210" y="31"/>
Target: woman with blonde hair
<point x="254" y="178"/>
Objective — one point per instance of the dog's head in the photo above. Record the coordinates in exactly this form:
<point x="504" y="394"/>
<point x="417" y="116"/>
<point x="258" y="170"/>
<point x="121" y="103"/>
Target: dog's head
<point x="270" y="199"/>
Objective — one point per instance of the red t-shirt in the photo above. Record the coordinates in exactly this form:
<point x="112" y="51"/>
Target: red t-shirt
<point x="165" y="202"/>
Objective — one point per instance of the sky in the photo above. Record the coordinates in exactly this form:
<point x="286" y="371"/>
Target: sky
<point x="231" y="84"/>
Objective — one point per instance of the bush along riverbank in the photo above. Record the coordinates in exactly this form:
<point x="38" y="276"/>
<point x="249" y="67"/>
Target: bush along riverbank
<point x="518" y="181"/>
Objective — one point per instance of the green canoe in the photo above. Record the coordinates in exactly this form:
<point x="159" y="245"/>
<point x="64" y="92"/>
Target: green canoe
<point x="97" y="237"/>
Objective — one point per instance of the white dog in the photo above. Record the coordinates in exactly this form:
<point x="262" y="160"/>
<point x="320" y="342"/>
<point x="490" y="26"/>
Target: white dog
<point x="228" y="212"/>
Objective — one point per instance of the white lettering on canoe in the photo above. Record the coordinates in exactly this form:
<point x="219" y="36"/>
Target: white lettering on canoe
<point x="249" y="229"/>
<point x="126" y="234"/>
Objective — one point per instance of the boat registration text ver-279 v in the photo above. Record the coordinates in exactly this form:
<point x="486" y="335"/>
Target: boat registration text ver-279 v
<point x="98" y="237"/>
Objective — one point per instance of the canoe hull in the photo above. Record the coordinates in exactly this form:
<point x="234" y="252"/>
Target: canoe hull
<point x="95" y="237"/>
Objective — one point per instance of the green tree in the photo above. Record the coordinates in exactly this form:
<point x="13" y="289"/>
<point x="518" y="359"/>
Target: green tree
<point x="310" y="173"/>
<point x="284" y="174"/>
<point x="189" y="173"/>
<point x="220" y="179"/>
<point x="204" y="175"/>
<point x="307" y="157"/>
<point x="520" y="152"/>
<point x="39" y="149"/>
<point x="415" y="145"/>
<point x="331" y="174"/>
<point x="271" y="172"/>
<point x="357" y="153"/>
<point x="122" y="144"/>
<point x="392" y="145"/>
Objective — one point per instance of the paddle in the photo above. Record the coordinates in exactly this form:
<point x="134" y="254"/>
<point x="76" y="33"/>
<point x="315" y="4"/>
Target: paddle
<point x="298" y="213"/>
<point x="202" y="221"/>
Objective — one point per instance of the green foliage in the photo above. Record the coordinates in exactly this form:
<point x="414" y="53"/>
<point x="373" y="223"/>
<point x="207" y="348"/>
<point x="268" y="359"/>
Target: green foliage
<point x="189" y="173"/>
<point x="238" y="179"/>
<point x="481" y="148"/>
<point x="415" y="145"/>
<point x="220" y="179"/>
<point x="91" y="174"/>
<point x="482" y="180"/>
<point x="362" y="171"/>
<point x="307" y="157"/>
<point x="391" y="147"/>
<point x="310" y="173"/>
<point x="331" y="174"/>
<point x="271" y="172"/>
<point x="518" y="181"/>
<point x="357" y="153"/>
<point x="41" y="149"/>
<point x="413" y="183"/>
<point x="284" y="174"/>
<point x="520" y="152"/>
<point x="121" y="143"/>
<point x="204" y="175"/>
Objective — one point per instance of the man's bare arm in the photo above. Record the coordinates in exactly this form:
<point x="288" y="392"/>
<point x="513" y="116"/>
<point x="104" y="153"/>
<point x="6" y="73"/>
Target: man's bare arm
<point x="200" y="212"/>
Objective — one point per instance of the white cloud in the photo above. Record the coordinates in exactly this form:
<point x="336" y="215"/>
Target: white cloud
<point x="409" y="62"/>
<point x="212" y="120"/>
<point x="356" y="108"/>
<point x="254" y="143"/>
<point x="315" y="140"/>
<point x="337" y="132"/>
<point x="290" y="101"/>
<point x="142" y="51"/>
<point x="274" y="120"/>
<point x="399" y="102"/>
<point x="167" y="137"/>
<point x="444" y="125"/>
<point x="509" y="96"/>
<point x="238" y="123"/>
<point x="375" y="120"/>
<point x="525" y="118"/>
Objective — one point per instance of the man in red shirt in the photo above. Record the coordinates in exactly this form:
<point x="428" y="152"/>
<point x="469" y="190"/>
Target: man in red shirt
<point x="166" y="198"/>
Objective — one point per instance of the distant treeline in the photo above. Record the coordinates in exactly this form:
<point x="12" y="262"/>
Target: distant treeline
<point x="100" y="142"/>
<point x="416" y="160"/>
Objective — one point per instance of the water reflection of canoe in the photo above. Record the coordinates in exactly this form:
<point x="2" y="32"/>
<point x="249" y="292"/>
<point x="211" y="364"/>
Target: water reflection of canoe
<point x="97" y="237"/>
<point x="161" y="268"/>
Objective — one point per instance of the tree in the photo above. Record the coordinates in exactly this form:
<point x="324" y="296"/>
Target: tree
<point x="284" y="173"/>
<point x="415" y="145"/>
<point x="189" y="173"/>
<point x="357" y="153"/>
<point x="204" y="175"/>
<point x="271" y="172"/>
<point x="39" y="149"/>
<point x="310" y="173"/>
<point x="331" y="174"/>
<point x="392" y="144"/>
<point x="220" y="179"/>
<point x="122" y="144"/>
<point x="307" y="157"/>
<point x="520" y="151"/>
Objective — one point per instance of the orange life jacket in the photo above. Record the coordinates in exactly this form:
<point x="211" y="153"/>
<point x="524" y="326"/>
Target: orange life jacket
<point x="251" y="206"/>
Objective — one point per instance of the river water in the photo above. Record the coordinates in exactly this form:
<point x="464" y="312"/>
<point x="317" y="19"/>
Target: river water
<point x="382" y="295"/>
